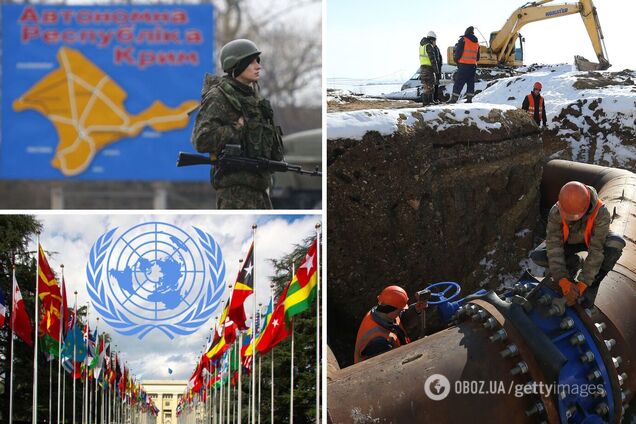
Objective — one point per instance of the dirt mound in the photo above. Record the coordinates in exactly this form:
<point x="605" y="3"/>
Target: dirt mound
<point x="425" y="205"/>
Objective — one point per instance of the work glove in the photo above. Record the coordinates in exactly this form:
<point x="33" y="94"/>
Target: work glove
<point x="581" y="286"/>
<point x="570" y="291"/>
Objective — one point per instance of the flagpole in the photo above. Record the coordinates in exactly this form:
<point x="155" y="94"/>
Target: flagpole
<point x="254" y="226"/>
<point x="35" y="350"/>
<point x="12" y="355"/>
<point x="271" y="409"/>
<point x="74" y="356"/>
<point x="291" y="396"/>
<point x="240" y="369"/>
<point x="50" y="388"/>
<point x="259" y="385"/>
<point x="318" y="322"/>
<point x="229" y="389"/>
<point x="85" y="395"/>
<point x="59" y="347"/>
<point x="63" y="396"/>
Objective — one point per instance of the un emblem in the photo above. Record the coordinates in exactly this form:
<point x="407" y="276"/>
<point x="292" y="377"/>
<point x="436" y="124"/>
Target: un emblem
<point x="155" y="276"/>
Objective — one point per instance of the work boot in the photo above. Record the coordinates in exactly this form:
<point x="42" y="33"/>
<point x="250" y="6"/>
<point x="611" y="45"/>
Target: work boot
<point x="426" y="99"/>
<point x="454" y="98"/>
<point x="469" y="98"/>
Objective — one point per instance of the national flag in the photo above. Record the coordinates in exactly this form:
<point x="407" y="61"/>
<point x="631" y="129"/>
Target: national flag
<point x="246" y="359"/>
<point x="48" y="289"/>
<point x="51" y="301"/>
<point x="224" y="335"/>
<point x="75" y="371"/>
<point x="302" y="288"/>
<point x="20" y="322"/>
<point x="264" y="320"/>
<point x="242" y="289"/>
<point x="75" y="341"/>
<point x="3" y="309"/>
<point x="276" y="326"/>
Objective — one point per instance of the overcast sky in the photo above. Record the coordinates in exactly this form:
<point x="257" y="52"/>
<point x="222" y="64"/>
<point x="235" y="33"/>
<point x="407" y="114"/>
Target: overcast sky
<point x="69" y="239"/>
<point x="369" y="39"/>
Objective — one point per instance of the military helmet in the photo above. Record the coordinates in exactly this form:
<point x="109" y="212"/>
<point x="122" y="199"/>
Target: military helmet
<point x="235" y="51"/>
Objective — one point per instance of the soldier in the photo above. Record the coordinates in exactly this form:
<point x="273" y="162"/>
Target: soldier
<point x="232" y="112"/>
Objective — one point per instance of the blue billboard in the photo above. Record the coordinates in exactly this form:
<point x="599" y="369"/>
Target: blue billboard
<point x="102" y="92"/>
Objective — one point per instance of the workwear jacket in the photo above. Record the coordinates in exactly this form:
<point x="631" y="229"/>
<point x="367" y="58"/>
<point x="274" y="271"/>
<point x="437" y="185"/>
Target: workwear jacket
<point x="589" y="231"/>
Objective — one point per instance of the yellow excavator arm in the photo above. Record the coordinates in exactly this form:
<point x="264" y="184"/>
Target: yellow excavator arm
<point x="502" y="43"/>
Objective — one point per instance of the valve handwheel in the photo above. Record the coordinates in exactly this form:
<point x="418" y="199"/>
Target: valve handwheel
<point x="439" y="292"/>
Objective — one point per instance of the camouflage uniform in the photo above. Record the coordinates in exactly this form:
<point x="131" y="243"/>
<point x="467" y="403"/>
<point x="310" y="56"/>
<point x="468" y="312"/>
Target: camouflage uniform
<point x="561" y="257"/>
<point x="224" y="101"/>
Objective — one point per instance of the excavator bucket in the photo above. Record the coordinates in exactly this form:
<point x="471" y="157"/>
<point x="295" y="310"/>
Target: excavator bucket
<point x="582" y="64"/>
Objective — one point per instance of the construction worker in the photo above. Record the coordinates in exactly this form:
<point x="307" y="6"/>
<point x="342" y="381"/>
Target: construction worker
<point x="428" y="67"/>
<point x="466" y="56"/>
<point x="534" y="104"/>
<point x="382" y="327"/>
<point x="233" y="112"/>
<point x="578" y="222"/>
<point x="438" y="71"/>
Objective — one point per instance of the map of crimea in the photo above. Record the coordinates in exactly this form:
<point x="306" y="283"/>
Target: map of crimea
<point x="87" y="109"/>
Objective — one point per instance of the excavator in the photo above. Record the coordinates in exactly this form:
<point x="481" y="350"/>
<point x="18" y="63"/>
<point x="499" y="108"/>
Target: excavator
<point x="506" y="45"/>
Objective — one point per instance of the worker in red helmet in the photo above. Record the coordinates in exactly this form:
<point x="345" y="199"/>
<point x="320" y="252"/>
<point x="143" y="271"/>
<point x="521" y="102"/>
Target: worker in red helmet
<point x="578" y="222"/>
<point x="382" y="328"/>
<point x="534" y="104"/>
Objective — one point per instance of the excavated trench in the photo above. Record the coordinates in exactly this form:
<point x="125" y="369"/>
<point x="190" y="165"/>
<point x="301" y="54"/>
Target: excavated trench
<point x="427" y="204"/>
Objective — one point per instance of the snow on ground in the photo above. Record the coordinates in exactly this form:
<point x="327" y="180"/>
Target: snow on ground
<point x="593" y="112"/>
<point x="354" y="125"/>
<point x="362" y="87"/>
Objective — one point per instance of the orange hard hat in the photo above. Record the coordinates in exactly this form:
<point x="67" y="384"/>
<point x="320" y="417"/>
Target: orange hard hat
<point x="574" y="200"/>
<point x="394" y="296"/>
<point x="537" y="86"/>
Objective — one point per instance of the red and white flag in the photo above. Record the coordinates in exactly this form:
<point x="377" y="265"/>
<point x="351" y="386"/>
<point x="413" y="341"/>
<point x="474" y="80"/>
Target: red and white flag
<point x="20" y="322"/>
<point x="3" y="309"/>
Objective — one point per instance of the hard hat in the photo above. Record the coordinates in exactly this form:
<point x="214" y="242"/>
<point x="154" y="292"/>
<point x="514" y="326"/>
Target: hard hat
<point x="537" y="86"/>
<point x="235" y="51"/>
<point x="394" y="296"/>
<point x="574" y="200"/>
<point x="431" y="34"/>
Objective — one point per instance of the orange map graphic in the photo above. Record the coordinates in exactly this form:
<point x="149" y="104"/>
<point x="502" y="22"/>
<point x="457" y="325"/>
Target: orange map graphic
<point x="87" y="109"/>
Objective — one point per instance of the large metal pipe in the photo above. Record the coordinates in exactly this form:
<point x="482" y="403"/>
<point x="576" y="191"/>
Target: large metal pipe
<point x="390" y="388"/>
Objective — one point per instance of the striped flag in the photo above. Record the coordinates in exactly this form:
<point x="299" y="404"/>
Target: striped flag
<point x="242" y="289"/>
<point x="20" y="322"/>
<point x="3" y="309"/>
<point x="302" y="289"/>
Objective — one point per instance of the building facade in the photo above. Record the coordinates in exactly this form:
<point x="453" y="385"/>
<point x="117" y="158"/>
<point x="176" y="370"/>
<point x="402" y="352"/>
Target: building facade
<point x="166" y="395"/>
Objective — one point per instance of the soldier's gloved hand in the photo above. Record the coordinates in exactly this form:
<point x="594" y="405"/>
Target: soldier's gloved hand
<point x="570" y="291"/>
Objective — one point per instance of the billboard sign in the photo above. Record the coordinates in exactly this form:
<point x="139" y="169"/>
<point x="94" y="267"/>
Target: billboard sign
<point x="102" y="92"/>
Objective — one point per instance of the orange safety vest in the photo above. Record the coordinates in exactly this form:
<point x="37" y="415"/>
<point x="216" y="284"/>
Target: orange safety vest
<point x="469" y="55"/>
<point x="369" y="330"/>
<point x="588" y="226"/>
<point x="531" y="105"/>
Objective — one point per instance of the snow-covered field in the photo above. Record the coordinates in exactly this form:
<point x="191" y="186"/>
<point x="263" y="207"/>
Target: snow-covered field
<point x="362" y="87"/>
<point x="355" y="124"/>
<point x="593" y="112"/>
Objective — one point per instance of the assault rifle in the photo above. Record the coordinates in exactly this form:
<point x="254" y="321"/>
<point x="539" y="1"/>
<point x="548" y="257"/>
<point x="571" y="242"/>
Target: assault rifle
<point x="231" y="159"/>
